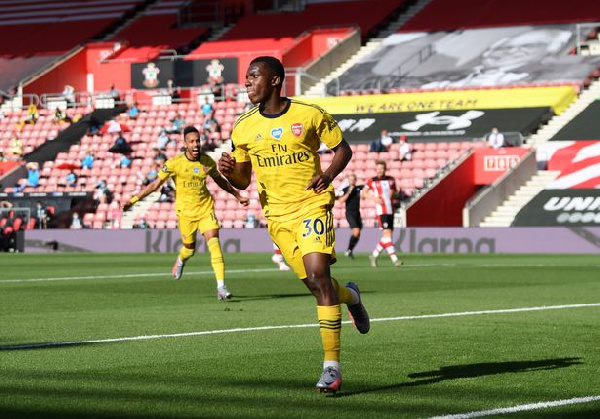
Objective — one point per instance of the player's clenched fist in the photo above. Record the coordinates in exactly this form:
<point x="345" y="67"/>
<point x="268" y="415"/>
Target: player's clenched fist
<point x="226" y="164"/>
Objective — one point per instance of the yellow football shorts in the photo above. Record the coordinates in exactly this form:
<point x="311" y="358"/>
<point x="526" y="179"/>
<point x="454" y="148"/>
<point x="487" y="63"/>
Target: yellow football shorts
<point x="310" y="233"/>
<point x="188" y="228"/>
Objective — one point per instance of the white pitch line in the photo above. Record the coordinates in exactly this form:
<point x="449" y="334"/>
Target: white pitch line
<point x="520" y="408"/>
<point x="77" y="278"/>
<point x="475" y="313"/>
<point x="289" y="326"/>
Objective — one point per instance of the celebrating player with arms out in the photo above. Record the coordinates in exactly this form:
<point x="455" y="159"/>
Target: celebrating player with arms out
<point x="279" y="139"/>
<point x="194" y="204"/>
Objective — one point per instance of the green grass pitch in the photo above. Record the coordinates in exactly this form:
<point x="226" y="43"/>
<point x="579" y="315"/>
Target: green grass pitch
<point x="414" y="363"/>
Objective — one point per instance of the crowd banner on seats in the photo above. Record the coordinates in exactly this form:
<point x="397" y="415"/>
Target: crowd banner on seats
<point x="471" y="58"/>
<point x="556" y="97"/>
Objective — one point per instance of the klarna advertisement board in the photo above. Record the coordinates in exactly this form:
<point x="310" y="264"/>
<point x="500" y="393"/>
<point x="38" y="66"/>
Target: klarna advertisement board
<point x="409" y="240"/>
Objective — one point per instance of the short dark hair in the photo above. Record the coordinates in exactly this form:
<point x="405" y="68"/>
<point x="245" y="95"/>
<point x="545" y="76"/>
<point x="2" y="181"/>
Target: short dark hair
<point x="272" y="64"/>
<point x="382" y="162"/>
<point x="190" y="128"/>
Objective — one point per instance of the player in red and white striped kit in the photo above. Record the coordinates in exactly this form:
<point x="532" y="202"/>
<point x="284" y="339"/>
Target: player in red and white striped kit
<point x="382" y="190"/>
<point x="278" y="259"/>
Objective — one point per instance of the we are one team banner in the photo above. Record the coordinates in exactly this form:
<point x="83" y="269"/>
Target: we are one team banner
<point x="556" y="97"/>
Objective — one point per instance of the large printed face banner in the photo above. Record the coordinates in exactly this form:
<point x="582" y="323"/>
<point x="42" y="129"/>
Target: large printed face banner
<point x="154" y="75"/>
<point x="470" y="58"/>
<point x="440" y="126"/>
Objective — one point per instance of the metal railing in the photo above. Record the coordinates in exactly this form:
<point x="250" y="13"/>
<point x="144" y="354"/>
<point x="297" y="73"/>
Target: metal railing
<point x="413" y="61"/>
<point x="579" y="30"/>
<point x="400" y="219"/>
<point x="401" y="70"/>
<point x="482" y="204"/>
<point x="20" y="101"/>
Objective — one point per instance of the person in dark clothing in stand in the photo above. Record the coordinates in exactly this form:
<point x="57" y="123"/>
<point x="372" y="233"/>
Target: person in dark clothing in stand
<point x="351" y="198"/>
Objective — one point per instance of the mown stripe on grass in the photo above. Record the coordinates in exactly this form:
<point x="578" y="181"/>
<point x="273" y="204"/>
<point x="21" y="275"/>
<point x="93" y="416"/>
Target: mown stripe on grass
<point x="242" y="271"/>
<point x="286" y="326"/>
<point x="146" y="275"/>
<point x="520" y="408"/>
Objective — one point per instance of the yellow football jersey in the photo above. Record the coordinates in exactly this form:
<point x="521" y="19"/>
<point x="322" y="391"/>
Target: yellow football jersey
<point x="283" y="151"/>
<point x="192" y="198"/>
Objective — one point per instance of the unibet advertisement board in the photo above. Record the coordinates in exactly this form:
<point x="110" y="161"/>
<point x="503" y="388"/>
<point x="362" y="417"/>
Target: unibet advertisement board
<point x="561" y="208"/>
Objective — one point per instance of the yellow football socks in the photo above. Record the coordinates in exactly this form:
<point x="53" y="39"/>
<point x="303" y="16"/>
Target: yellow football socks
<point x="216" y="258"/>
<point x="185" y="253"/>
<point x="330" y="322"/>
<point x="344" y="294"/>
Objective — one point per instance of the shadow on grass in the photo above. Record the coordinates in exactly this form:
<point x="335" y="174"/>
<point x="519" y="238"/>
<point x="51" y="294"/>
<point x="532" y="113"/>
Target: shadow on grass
<point x="243" y="298"/>
<point x="41" y="345"/>
<point x="455" y="372"/>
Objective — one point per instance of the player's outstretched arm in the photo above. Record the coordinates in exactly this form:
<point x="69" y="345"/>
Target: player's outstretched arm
<point x="341" y="157"/>
<point x="238" y="174"/>
<point x="151" y="187"/>
<point x="226" y="186"/>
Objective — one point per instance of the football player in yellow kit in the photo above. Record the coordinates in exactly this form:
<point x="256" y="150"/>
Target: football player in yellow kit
<point x="279" y="139"/>
<point x="194" y="204"/>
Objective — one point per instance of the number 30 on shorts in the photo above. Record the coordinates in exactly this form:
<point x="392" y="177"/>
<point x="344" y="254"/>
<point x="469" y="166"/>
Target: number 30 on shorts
<point x="317" y="226"/>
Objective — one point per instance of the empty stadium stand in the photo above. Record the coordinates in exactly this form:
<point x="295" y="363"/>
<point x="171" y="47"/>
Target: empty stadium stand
<point x="155" y="30"/>
<point x="291" y="25"/>
<point x="25" y="27"/>
<point x="35" y="34"/>
<point x="441" y="15"/>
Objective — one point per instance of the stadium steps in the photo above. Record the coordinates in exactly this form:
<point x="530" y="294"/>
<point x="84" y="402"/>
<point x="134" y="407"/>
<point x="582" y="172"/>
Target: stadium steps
<point x="394" y="26"/>
<point x="139" y="210"/>
<point x="136" y="14"/>
<point x="505" y="214"/>
<point x="13" y="104"/>
<point x="558" y="122"/>
<point x="219" y="33"/>
<point x="319" y="89"/>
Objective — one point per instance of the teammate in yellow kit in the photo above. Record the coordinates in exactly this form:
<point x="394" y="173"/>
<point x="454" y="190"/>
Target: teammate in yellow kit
<point x="194" y="204"/>
<point x="279" y="139"/>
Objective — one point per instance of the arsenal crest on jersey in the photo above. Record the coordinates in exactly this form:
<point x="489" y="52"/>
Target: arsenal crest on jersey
<point x="297" y="129"/>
